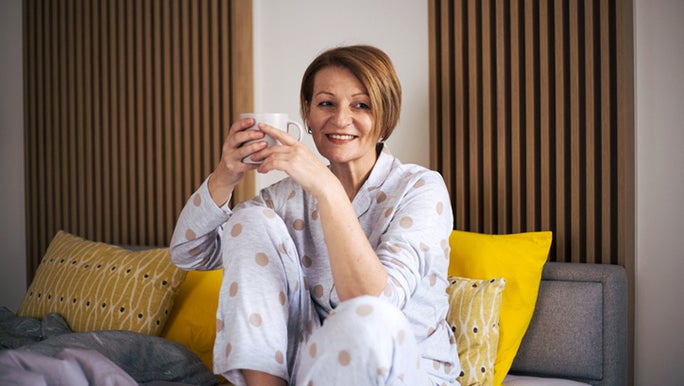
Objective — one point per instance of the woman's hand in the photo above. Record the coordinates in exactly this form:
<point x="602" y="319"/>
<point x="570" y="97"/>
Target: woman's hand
<point x="231" y="169"/>
<point x="295" y="159"/>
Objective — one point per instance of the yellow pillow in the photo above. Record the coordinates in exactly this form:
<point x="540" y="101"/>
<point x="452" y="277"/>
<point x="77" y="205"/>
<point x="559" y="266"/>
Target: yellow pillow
<point x="193" y="320"/>
<point x="519" y="259"/>
<point x="97" y="286"/>
<point x="474" y="316"/>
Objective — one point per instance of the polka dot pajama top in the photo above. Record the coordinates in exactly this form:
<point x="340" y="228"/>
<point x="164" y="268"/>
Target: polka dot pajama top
<point x="404" y="211"/>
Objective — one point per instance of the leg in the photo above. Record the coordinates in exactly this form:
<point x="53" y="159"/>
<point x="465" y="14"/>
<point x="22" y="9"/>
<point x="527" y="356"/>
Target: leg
<point x="263" y="306"/>
<point x="365" y="341"/>
<point x="254" y="377"/>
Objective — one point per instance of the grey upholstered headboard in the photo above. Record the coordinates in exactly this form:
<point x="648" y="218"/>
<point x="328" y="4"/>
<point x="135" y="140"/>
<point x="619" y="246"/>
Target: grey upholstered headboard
<point x="579" y="327"/>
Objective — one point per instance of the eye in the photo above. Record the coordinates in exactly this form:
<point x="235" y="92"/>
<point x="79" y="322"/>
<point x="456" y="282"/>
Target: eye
<point x="362" y="106"/>
<point x="325" y="104"/>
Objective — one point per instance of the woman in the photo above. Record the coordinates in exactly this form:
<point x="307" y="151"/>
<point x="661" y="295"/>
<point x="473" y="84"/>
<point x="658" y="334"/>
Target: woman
<point x="336" y="274"/>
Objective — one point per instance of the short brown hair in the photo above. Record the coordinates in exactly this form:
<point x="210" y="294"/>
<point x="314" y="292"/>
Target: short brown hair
<point x="374" y="69"/>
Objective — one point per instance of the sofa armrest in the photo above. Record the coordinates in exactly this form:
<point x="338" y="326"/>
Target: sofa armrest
<point x="579" y="327"/>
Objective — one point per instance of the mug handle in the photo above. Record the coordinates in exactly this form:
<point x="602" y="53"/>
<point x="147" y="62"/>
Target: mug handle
<point x="299" y="128"/>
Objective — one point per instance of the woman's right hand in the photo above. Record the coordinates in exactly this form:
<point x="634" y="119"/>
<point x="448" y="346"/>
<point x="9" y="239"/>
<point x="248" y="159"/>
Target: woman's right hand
<point x="230" y="169"/>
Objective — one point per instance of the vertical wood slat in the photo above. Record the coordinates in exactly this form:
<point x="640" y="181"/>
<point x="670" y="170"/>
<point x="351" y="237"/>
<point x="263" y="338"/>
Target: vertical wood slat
<point x="240" y="55"/>
<point x="502" y="203"/>
<point x="157" y="137"/>
<point x="488" y="115"/>
<point x="87" y="192"/>
<point x="531" y="81"/>
<point x="574" y="156"/>
<point x="515" y="100"/>
<point x="545" y="159"/>
<point x="547" y="113"/>
<point x="590" y="99"/>
<point x="166" y="129"/>
<point x="605" y="147"/>
<point x="459" y="116"/>
<point x="471" y="109"/>
<point x="127" y="104"/>
<point x="559" y="111"/>
<point x="44" y="172"/>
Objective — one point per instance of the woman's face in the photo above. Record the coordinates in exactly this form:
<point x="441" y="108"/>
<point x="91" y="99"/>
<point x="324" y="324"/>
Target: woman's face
<point x="341" y="120"/>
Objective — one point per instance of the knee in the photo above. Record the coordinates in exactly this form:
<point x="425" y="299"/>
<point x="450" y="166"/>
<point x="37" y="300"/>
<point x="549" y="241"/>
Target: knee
<point x="369" y="319"/>
<point x="260" y="235"/>
<point x="253" y="219"/>
<point x="367" y="338"/>
<point x="253" y="225"/>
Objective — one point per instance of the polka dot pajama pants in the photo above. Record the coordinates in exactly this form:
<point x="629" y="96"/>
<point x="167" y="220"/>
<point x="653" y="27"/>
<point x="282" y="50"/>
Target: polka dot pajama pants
<point x="266" y="318"/>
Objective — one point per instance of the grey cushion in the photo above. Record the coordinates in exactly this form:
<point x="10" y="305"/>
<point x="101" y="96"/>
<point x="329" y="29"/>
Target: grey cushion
<point x="579" y="327"/>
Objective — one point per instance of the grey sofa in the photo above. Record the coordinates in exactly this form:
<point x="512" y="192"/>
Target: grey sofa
<point x="579" y="327"/>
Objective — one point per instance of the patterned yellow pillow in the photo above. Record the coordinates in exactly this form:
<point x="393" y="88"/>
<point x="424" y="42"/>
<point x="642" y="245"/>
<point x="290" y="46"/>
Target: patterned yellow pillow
<point x="474" y="317"/>
<point x="96" y="286"/>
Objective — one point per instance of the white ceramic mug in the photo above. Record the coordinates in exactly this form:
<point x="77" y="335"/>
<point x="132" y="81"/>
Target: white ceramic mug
<point x="277" y="120"/>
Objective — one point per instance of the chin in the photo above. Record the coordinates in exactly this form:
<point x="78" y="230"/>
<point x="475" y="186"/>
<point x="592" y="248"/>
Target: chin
<point x="337" y="159"/>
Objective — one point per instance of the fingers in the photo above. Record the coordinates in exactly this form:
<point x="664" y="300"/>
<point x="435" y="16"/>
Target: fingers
<point x="238" y="144"/>
<point x="242" y="143"/>
<point x="241" y="124"/>
<point x="282" y="136"/>
<point x="286" y="149"/>
<point x="298" y="162"/>
<point x="238" y="135"/>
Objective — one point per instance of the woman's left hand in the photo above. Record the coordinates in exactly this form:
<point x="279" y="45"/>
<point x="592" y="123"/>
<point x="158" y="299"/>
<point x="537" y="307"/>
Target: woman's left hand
<point x="295" y="159"/>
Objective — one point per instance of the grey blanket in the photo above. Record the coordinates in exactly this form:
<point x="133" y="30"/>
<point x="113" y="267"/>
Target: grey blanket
<point x="47" y="352"/>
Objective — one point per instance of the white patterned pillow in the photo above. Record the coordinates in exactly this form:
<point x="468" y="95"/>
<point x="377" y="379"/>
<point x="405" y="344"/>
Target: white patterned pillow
<point x="97" y="286"/>
<point x="474" y="317"/>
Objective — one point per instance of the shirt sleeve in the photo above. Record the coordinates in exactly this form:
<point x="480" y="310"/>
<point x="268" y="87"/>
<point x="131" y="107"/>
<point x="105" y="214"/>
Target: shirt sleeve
<point x="196" y="240"/>
<point x="414" y="249"/>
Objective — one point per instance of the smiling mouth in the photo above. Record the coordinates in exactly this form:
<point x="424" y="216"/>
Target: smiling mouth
<point x="341" y="137"/>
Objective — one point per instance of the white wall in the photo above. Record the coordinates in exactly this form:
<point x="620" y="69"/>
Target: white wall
<point x="12" y="220"/>
<point x="289" y="34"/>
<point x="660" y="192"/>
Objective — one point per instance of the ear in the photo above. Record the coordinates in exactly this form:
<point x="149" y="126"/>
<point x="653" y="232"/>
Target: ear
<point x="305" y="118"/>
<point x="307" y="111"/>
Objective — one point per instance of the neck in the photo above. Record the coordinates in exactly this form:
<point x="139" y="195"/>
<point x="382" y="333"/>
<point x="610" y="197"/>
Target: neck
<point x="353" y="175"/>
<point x="351" y="183"/>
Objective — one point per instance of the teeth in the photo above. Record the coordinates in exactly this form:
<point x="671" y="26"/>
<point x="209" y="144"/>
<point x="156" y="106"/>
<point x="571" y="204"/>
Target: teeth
<point x="341" y="136"/>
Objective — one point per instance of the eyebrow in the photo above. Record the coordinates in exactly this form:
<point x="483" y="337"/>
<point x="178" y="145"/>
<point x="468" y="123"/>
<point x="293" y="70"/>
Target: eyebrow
<point x="332" y="94"/>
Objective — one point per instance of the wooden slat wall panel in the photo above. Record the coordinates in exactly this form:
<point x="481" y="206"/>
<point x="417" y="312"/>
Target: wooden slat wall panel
<point x="127" y="103"/>
<point x="532" y="122"/>
<point x="530" y="103"/>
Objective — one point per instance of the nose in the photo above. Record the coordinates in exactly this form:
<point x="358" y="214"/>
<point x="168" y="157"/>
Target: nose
<point x="343" y="117"/>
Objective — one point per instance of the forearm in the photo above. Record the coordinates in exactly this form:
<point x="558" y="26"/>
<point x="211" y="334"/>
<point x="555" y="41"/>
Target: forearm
<point x="355" y="266"/>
